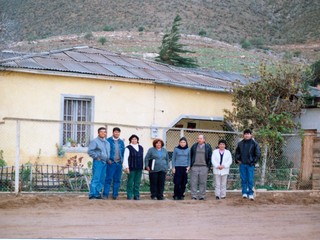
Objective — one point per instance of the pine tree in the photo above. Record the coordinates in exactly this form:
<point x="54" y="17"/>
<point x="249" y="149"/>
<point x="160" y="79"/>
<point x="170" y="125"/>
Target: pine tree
<point x="171" y="49"/>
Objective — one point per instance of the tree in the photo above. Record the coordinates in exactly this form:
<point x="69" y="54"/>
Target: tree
<point x="269" y="105"/>
<point x="171" y="49"/>
<point x="315" y="67"/>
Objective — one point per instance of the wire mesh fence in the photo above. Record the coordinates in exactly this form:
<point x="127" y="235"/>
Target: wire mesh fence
<point x="47" y="162"/>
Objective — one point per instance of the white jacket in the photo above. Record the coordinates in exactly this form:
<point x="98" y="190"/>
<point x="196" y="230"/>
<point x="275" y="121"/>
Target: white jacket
<point x="226" y="162"/>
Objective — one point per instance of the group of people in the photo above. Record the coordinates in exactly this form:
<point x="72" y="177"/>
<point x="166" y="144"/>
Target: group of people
<point x="111" y="157"/>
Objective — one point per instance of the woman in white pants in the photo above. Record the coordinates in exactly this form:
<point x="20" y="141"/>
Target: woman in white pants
<point x="221" y="160"/>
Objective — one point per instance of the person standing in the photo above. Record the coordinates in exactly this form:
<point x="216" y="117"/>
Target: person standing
<point x="133" y="165"/>
<point x="200" y="154"/>
<point x="221" y="162"/>
<point x="180" y="168"/>
<point x="114" y="165"/>
<point x="247" y="155"/>
<point x="99" y="150"/>
<point x="157" y="164"/>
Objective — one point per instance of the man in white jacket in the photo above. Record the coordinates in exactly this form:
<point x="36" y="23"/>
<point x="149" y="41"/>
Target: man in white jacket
<point x="221" y="160"/>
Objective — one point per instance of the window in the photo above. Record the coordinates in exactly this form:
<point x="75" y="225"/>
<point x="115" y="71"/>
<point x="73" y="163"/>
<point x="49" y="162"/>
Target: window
<point x="77" y="109"/>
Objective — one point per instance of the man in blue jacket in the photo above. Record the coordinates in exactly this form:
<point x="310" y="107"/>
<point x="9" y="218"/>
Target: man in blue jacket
<point x="99" y="150"/>
<point x="114" y="165"/>
<point x="247" y="155"/>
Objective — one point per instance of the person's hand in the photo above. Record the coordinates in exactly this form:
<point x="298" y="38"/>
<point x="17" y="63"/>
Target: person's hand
<point x="173" y="170"/>
<point x="109" y="162"/>
<point x="148" y="169"/>
<point x="187" y="169"/>
<point x="127" y="171"/>
<point x="238" y="161"/>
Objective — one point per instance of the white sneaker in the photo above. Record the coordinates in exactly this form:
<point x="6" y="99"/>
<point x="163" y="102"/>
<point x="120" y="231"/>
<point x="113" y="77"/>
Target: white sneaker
<point x="244" y="196"/>
<point x="251" y="197"/>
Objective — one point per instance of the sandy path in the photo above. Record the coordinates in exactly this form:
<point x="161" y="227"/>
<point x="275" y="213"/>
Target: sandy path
<point x="271" y="216"/>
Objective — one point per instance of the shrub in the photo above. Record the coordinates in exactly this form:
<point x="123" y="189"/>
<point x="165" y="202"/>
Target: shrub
<point x="245" y="44"/>
<point x="297" y="54"/>
<point x="108" y="28"/>
<point x="257" y="42"/>
<point x="102" y="40"/>
<point x="202" y="33"/>
<point x="2" y="161"/>
<point x="88" y="36"/>
<point x="141" y="29"/>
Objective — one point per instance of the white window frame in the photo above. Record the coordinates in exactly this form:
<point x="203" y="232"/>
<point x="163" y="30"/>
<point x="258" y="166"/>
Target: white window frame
<point x="74" y="114"/>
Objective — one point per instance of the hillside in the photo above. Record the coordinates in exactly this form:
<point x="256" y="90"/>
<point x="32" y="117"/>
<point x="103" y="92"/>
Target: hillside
<point x="136" y="27"/>
<point x="272" y="22"/>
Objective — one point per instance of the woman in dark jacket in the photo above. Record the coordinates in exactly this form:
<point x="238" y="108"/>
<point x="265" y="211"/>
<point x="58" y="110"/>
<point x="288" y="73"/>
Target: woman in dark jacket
<point x="180" y="168"/>
<point x="133" y="165"/>
<point x="157" y="164"/>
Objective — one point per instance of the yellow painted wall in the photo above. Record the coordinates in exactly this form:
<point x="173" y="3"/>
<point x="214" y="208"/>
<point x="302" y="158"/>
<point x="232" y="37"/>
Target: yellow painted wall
<point x="38" y="96"/>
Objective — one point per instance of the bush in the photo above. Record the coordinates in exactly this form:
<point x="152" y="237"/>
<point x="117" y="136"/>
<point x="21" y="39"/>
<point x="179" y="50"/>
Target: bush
<point x="88" y="36"/>
<point x="108" y="28"/>
<point x="202" y="33"/>
<point x="257" y="42"/>
<point x="141" y="29"/>
<point x="102" y="40"/>
<point x="245" y="44"/>
<point x="2" y="161"/>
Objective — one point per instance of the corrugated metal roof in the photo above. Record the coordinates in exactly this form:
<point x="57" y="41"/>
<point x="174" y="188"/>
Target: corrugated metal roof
<point x="87" y="60"/>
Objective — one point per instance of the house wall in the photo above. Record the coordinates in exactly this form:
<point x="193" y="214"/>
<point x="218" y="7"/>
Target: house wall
<point x="38" y="96"/>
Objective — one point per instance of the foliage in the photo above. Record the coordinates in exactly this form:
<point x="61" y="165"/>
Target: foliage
<point x="245" y="44"/>
<point x="268" y="105"/>
<point x="2" y="161"/>
<point x="202" y="33"/>
<point x="141" y="29"/>
<point x="60" y="150"/>
<point x="108" y="28"/>
<point x="171" y="49"/>
<point x="102" y="40"/>
<point x="88" y="36"/>
<point x="315" y="68"/>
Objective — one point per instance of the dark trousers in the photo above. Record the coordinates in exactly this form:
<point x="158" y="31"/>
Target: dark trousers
<point x="157" y="180"/>
<point x="180" y="180"/>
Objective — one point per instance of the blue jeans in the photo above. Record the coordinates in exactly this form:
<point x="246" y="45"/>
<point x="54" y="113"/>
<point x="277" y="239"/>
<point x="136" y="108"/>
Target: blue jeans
<point x="247" y="178"/>
<point x="114" y="173"/>
<point x="98" y="178"/>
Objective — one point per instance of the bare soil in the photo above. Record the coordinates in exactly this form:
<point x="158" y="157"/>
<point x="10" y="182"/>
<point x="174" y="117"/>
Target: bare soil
<point x="273" y="215"/>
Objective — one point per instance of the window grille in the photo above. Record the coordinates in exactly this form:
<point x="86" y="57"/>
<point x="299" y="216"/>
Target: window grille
<point x="77" y="110"/>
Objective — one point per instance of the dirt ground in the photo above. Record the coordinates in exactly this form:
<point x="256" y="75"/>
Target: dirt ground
<point x="273" y="215"/>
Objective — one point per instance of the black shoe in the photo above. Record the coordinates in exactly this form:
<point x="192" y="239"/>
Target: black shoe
<point x="181" y="198"/>
<point x="153" y="198"/>
<point x="223" y="198"/>
<point x="201" y="199"/>
<point x="136" y="198"/>
<point x="129" y="198"/>
<point x="194" y="198"/>
<point x="91" y="197"/>
<point x="175" y="198"/>
<point x="98" y="197"/>
<point x="217" y="198"/>
<point x="160" y="198"/>
<point x="114" y="198"/>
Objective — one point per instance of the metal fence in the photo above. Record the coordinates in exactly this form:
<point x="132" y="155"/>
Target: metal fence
<point x="38" y="151"/>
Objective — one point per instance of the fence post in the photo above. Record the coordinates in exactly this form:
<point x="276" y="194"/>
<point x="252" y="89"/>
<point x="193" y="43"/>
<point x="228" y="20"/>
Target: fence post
<point x="264" y="164"/>
<point x="17" y="163"/>
<point x="307" y="158"/>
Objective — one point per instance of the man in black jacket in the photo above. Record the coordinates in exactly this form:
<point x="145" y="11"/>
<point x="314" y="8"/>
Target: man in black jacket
<point x="200" y="154"/>
<point x="247" y="155"/>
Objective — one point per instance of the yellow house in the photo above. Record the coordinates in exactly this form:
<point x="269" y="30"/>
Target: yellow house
<point x="52" y="97"/>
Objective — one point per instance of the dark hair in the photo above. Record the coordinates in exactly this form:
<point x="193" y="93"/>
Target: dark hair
<point x="101" y="128"/>
<point x="247" y="131"/>
<point x="116" y="129"/>
<point x="222" y="141"/>
<point x="156" y="141"/>
<point x="133" y="136"/>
